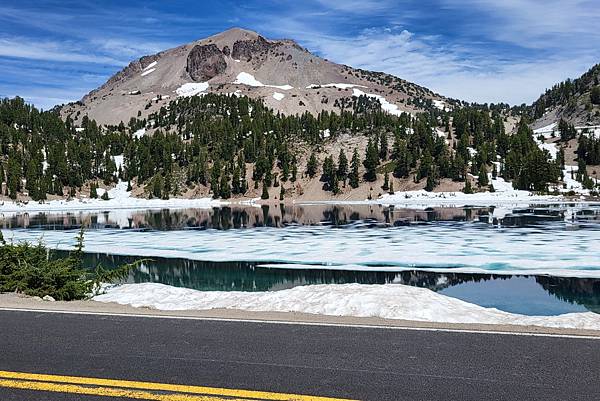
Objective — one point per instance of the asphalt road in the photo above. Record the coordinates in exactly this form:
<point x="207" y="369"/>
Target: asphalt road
<point x="343" y="362"/>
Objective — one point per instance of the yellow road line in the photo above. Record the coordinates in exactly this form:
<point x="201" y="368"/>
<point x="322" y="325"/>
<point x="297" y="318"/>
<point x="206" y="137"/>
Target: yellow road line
<point x="106" y="391"/>
<point x="137" y="385"/>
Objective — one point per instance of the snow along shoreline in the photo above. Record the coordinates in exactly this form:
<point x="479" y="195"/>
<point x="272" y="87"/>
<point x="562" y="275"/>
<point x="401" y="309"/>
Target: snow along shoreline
<point x="119" y="199"/>
<point x="388" y="301"/>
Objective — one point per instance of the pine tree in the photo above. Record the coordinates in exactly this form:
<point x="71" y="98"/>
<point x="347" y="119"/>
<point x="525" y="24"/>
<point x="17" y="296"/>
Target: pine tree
<point x="265" y="191"/>
<point x="468" y="189"/>
<point x="311" y="166"/>
<point x="215" y="175"/>
<point x="402" y="159"/>
<point x="371" y="162"/>
<point x="129" y="188"/>
<point x="236" y="183"/>
<point x="383" y="146"/>
<point x="483" y="180"/>
<point x="595" y="95"/>
<point x="281" y="193"/>
<point x="167" y="187"/>
<point x="105" y="196"/>
<point x="93" y="190"/>
<point x="157" y="186"/>
<point x="386" y="182"/>
<point x="391" y="191"/>
<point x="225" y="188"/>
<point x="342" y="170"/>
<point x="354" y="174"/>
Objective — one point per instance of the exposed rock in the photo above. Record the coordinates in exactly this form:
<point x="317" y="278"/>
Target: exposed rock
<point x="205" y="62"/>
<point x="246" y="49"/>
<point x="48" y="298"/>
<point x="226" y="51"/>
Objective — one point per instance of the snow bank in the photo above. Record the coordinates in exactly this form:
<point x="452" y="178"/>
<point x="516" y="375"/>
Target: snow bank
<point x="590" y="130"/>
<point x="243" y="78"/>
<point x="278" y="96"/>
<point x="548" y="131"/>
<point x="119" y="199"/>
<point x="504" y="195"/>
<point x="140" y="133"/>
<point x="441" y="105"/>
<point x="385" y="105"/>
<point x="151" y="65"/>
<point x="118" y="161"/>
<point x="150" y="71"/>
<point x="192" y="89"/>
<point x="390" y="301"/>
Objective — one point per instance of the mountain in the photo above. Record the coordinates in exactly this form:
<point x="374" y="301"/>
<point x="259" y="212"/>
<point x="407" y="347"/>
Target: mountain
<point x="575" y="101"/>
<point x="287" y="77"/>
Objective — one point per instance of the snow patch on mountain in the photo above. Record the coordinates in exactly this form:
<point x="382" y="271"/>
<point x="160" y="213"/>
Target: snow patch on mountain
<point x="151" y="65"/>
<point x="243" y="78"/>
<point x="441" y="105"/>
<point x="547" y="131"/>
<point x="140" y="133"/>
<point x="192" y="89"/>
<point x="278" y="96"/>
<point x="385" y="105"/>
<point x="151" y="70"/>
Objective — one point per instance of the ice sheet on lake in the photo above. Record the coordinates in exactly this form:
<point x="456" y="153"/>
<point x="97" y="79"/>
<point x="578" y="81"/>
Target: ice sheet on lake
<point x="390" y="301"/>
<point x="466" y="247"/>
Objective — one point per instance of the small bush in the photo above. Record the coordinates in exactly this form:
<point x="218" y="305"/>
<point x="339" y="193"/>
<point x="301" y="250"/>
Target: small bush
<point x="32" y="270"/>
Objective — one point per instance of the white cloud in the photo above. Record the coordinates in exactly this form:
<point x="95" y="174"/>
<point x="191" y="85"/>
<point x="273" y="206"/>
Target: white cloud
<point x="451" y="70"/>
<point x="129" y="48"/>
<point x="50" y="51"/>
<point x="534" y="23"/>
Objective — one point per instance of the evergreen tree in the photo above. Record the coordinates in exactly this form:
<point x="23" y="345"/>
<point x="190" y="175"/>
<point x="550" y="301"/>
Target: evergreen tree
<point x="402" y="158"/>
<point x="167" y="187"/>
<point x="312" y="165"/>
<point x="342" y="170"/>
<point x="468" y="189"/>
<point x="265" y="191"/>
<point x="225" y="188"/>
<point x="281" y="193"/>
<point x="383" y="146"/>
<point x="93" y="190"/>
<point x="483" y="180"/>
<point x="371" y="162"/>
<point x="157" y="186"/>
<point x="595" y="95"/>
<point x="354" y="174"/>
<point x="386" y="182"/>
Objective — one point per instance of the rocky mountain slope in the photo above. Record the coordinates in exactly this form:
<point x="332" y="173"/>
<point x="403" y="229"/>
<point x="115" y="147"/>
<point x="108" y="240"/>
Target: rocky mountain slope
<point x="287" y="77"/>
<point x="575" y="101"/>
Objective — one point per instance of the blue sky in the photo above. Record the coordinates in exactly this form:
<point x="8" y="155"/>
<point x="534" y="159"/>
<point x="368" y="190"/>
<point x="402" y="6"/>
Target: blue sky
<point x="52" y="52"/>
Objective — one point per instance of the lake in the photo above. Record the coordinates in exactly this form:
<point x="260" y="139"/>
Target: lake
<point x="539" y="260"/>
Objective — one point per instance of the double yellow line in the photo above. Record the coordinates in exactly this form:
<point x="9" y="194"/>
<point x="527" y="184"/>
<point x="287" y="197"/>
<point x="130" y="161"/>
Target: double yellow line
<point x="139" y="390"/>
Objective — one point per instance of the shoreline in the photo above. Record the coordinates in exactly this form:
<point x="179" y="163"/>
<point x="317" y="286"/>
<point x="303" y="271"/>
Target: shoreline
<point x="17" y="302"/>
<point x="416" y="200"/>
